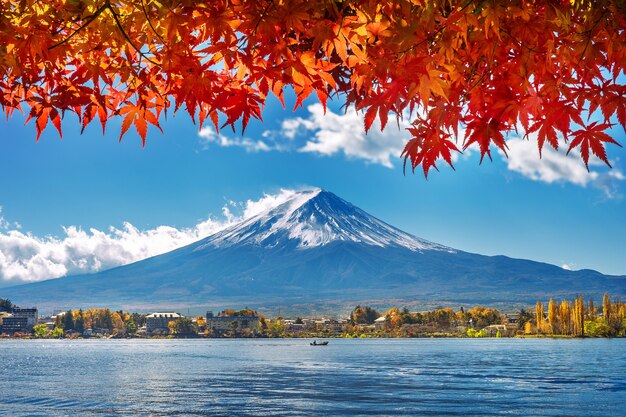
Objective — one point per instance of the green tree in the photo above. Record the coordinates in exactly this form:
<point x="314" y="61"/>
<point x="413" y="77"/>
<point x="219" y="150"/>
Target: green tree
<point x="183" y="326"/>
<point x="40" y="331"/>
<point x="68" y="321"/>
<point x="523" y="317"/>
<point x="6" y="305"/>
<point x="131" y="327"/>
<point x="138" y="319"/>
<point x="107" y="320"/>
<point x="57" y="332"/>
<point x="597" y="328"/>
<point x="79" y="323"/>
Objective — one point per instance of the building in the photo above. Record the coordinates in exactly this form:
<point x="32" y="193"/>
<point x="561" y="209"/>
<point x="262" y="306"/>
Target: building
<point x="30" y="314"/>
<point x="13" y="324"/>
<point x="225" y="323"/>
<point x="494" y="329"/>
<point x="4" y="314"/>
<point x="160" y="321"/>
<point x="331" y="325"/>
<point x="380" y="323"/>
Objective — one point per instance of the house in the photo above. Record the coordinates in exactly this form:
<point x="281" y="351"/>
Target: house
<point x="223" y="323"/>
<point x="495" y="328"/>
<point x="331" y="325"/>
<point x="380" y="323"/>
<point x="512" y="318"/>
<point x="290" y="326"/>
<point x="160" y="321"/>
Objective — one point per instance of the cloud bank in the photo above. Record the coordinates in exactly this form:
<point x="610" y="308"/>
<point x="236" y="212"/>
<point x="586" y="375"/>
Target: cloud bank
<point x="557" y="167"/>
<point x="28" y="258"/>
<point x="324" y="134"/>
<point x="343" y="134"/>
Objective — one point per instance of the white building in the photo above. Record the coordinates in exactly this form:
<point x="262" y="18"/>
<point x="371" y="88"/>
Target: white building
<point x="380" y="323"/>
<point x="160" y="321"/>
<point x="30" y="314"/>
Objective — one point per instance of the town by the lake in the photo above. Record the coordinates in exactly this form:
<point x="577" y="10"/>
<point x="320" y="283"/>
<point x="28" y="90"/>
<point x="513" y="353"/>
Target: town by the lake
<point x="563" y="319"/>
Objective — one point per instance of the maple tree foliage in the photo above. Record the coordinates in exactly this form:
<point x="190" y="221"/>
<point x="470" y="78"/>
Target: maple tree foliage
<point x="485" y="66"/>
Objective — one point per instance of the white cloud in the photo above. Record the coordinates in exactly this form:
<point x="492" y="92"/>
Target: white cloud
<point x="328" y="134"/>
<point x="268" y="201"/>
<point x="566" y="267"/>
<point x="28" y="258"/>
<point x="557" y="167"/>
<point x="292" y="127"/>
<point x="344" y="133"/>
<point x="4" y="224"/>
<point x="208" y="136"/>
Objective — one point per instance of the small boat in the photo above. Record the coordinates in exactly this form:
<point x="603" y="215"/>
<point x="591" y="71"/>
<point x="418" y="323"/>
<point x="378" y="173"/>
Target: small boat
<point x="314" y="343"/>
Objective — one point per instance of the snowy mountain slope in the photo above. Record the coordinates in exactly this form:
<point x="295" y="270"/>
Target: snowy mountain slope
<point x="318" y="249"/>
<point x="315" y="218"/>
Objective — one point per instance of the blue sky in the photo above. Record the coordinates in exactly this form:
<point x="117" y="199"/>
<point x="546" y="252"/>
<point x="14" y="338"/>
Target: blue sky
<point x="550" y="211"/>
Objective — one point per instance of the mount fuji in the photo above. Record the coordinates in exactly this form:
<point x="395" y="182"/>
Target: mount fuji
<point x="315" y="249"/>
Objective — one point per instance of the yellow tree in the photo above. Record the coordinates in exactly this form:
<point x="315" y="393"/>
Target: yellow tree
<point x="539" y="314"/>
<point x="565" y="317"/>
<point x="578" y="316"/>
<point x="606" y="308"/>
<point x="553" y="317"/>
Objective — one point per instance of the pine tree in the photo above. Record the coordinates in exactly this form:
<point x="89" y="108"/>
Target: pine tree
<point x="68" y="321"/>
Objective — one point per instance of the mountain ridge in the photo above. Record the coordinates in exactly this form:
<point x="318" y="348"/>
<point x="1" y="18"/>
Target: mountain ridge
<point x="318" y="249"/>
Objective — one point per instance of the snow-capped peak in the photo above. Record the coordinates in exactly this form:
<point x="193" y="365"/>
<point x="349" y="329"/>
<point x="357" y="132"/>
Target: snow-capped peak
<point x="314" y="218"/>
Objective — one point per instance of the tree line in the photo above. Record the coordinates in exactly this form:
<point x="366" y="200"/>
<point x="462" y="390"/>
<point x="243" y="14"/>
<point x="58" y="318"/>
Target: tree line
<point x="576" y="318"/>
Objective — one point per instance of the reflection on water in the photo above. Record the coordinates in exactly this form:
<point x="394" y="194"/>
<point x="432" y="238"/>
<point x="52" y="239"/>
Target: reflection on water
<point x="392" y="377"/>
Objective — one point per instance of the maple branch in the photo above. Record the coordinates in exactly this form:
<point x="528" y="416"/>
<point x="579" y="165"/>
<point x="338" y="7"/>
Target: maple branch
<point x="520" y="43"/>
<point x="125" y="35"/>
<point x="83" y="26"/>
<point x="145" y="13"/>
<point x="262" y="16"/>
<point x="590" y="32"/>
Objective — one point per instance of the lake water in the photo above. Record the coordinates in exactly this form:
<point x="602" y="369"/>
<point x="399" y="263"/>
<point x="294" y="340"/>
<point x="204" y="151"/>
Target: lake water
<point x="383" y="377"/>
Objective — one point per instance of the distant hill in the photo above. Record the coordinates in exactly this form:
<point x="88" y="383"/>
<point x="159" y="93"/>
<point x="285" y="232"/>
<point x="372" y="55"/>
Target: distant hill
<point x="315" y="252"/>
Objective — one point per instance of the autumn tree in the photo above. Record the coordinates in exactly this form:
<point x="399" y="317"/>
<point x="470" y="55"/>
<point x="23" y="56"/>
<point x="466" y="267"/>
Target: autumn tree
<point x="591" y="310"/>
<point x="606" y="308"/>
<point x="553" y="317"/>
<point x="182" y="326"/>
<point x="539" y="315"/>
<point x="490" y="68"/>
<point x="578" y="316"/>
<point x="565" y="317"/>
<point x="364" y="315"/>
<point x="79" y="321"/>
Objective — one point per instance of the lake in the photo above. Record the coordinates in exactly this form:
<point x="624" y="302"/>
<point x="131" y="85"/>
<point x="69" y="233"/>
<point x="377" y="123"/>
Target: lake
<point x="287" y="377"/>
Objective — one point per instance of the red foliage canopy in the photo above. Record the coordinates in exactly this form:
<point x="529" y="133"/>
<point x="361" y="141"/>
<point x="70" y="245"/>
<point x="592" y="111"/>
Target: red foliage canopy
<point x="485" y="65"/>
